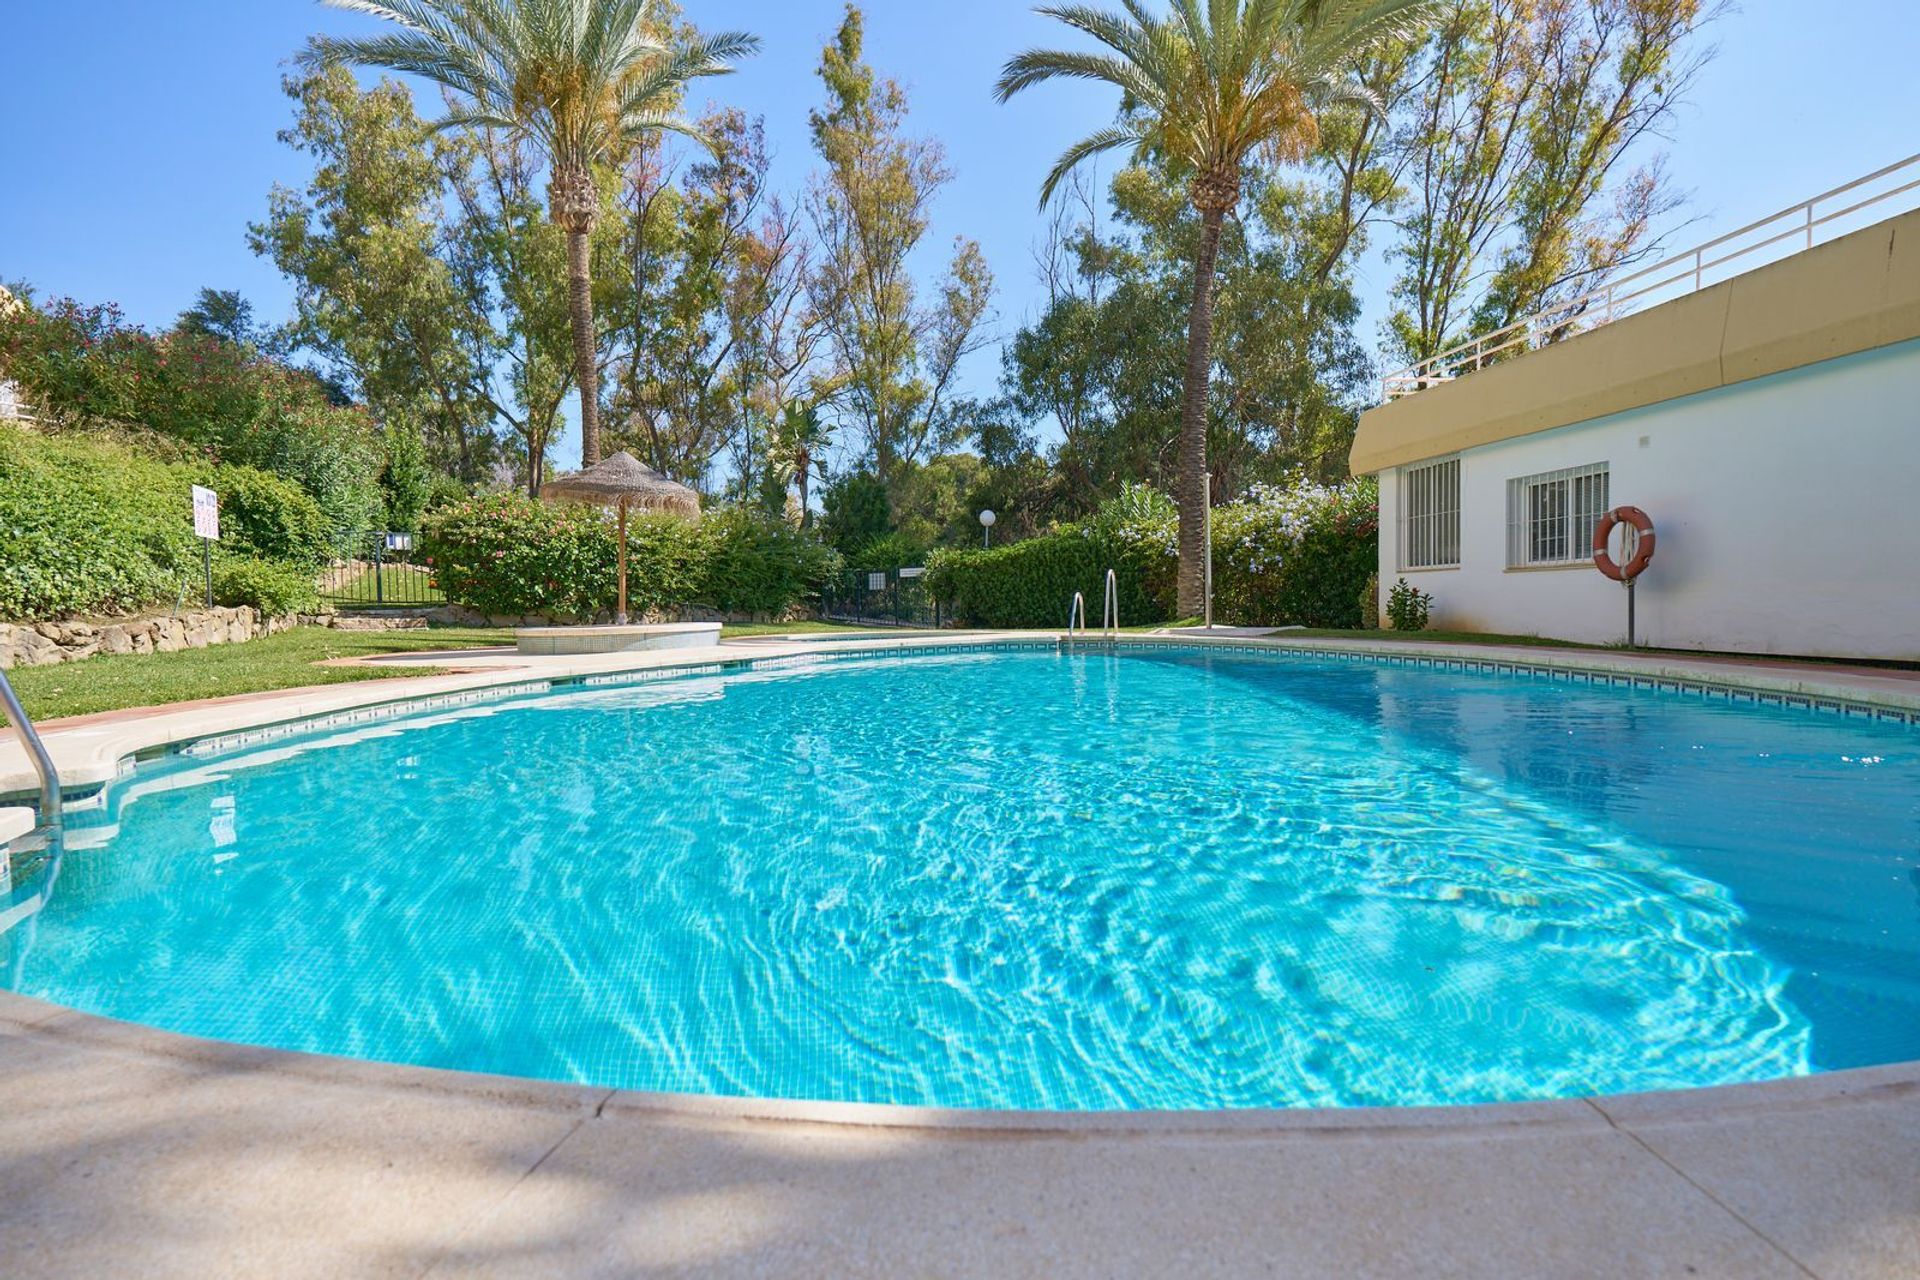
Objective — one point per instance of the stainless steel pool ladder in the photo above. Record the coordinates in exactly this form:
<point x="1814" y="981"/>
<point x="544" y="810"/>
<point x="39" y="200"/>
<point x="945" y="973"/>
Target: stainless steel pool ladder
<point x="1110" y="609"/>
<point x="1076" y="609"/>
<point x="36" y="751"/>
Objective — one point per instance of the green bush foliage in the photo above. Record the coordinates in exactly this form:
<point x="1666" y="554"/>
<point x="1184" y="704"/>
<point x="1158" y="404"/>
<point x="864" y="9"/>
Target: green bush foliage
<point x="85" y="367"/>
<point x="505" y="554"/>
<point x="1408" y="607"/>
<point x="273" y="587"/>
<point x="269" y="518"/>
<point x="888" y="552"/>
<point x="508" y="555"/>
<point x="1032" y="583"/>
<point x="91" y="524"/>
<point x="855" y="511"/>
<point x="1296" y="553"/>
<point x="89" y="527"/>
<point x="758" y="565"/>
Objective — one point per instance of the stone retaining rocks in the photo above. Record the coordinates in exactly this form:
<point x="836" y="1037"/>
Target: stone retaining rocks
<point x="42" y="644"/>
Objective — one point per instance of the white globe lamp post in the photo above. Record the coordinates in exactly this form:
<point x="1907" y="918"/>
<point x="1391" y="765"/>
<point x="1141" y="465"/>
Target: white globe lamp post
<point x="987" y="519"/>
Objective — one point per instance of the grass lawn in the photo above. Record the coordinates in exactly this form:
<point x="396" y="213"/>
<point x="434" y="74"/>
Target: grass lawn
<point x="396" y="584"/>
<point x="734" y="631"/>
<point x="283" y="661"/>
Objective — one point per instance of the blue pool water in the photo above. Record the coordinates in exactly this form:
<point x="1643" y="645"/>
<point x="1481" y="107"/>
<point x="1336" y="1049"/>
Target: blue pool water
<point x="1022" y="879"/>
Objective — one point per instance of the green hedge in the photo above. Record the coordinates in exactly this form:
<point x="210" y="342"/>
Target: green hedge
<point x="94" y="525"/>
<point x="1285" y="554"/>
<point x="1031" y="583"/>
<point x="507" y="555"/>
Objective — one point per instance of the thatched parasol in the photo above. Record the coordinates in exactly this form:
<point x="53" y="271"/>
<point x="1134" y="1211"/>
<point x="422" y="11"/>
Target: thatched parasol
<point x="624" y="482"/>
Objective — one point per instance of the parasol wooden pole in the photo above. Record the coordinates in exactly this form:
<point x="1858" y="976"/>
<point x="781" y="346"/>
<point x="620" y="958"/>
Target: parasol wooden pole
<point x="620" y="617"/>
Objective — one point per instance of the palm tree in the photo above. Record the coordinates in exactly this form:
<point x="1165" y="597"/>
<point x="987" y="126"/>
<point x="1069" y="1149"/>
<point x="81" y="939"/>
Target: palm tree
<point x="802" y="436"/>
<point x="1203" y="90"/>
<point x="585" y="79"/>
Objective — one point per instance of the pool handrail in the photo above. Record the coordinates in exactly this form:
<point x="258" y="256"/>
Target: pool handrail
<point x="1110" y="608"/>
<point x="1076" y="608"/>
<point x="36" y="750"/>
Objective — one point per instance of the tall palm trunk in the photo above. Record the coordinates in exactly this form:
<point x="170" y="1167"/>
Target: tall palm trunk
<point x="1191" y="485"/>
<point x="803" y="460"/>
<point x="586" y="354"/>
<point x="575" y="204"/>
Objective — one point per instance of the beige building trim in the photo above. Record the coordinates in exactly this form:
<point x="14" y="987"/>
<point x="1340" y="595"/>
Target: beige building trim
<point x="1853" y="294"/>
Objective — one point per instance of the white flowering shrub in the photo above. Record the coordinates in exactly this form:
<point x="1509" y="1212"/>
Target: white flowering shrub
<point x="1296" y="553"/>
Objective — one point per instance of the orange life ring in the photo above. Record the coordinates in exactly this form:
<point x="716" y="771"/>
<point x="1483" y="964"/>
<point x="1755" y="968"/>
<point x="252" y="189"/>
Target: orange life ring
<point x="1643" y="543"/>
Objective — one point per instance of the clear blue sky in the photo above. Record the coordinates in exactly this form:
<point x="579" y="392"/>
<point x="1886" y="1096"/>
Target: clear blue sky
<point x="137" y="140"/>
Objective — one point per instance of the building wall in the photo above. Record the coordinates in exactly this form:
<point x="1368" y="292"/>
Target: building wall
<point x="1787" y="509"/>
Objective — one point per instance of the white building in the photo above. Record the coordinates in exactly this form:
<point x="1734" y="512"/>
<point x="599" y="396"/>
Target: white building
<point x="1770" y="426"/>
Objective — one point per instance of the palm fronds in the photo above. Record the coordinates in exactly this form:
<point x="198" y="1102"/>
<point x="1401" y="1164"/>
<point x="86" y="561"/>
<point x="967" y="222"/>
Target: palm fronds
<point x="582" y="78"/>
<point x="1209" y="82"/>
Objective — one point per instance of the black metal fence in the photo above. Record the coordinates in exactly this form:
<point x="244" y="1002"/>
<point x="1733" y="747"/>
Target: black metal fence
<point x="379" y="571"/>
<point x="896" y="598"/>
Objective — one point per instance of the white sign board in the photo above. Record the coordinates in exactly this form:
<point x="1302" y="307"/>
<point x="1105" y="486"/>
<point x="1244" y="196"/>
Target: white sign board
<point x="399" y="542"/>
<point x="912" y="573"/>
<point x="206" y="513"/>
<point x="876" y="582"/>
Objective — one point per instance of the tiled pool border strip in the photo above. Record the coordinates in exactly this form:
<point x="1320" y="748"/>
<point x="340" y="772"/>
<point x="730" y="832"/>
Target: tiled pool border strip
<point x="1560" y="672"/>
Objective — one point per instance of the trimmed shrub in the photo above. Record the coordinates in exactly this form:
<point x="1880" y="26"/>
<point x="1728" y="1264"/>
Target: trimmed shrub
<point x="1031" y="583"/>
<point x="508" y="555"/>
<point x="759" y="565"/>
<point x="272" y="587"/>
<point x="1285" y="554"/>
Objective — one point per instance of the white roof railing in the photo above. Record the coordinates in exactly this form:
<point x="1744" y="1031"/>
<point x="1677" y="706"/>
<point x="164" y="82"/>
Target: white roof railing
<point x="1786" y="233"/>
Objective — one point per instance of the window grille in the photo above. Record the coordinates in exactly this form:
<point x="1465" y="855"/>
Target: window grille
<point x="1430" y="515"/>
<point x="1550" y="517"/>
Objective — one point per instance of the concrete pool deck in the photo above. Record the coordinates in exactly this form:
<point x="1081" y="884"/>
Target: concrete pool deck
<point x="126" y="1150"/>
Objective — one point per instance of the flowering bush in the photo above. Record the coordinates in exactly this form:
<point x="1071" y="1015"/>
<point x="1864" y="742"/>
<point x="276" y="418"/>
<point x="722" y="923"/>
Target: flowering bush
<point x="1408" y="607"/>
<point x="508" y="555"/>
<point x="1297" y="553"/>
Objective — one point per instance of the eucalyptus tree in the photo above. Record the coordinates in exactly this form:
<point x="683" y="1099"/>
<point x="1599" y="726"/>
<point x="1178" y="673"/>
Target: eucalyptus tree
<point x="585" y="80"/>
<point x="1205" y="89"/>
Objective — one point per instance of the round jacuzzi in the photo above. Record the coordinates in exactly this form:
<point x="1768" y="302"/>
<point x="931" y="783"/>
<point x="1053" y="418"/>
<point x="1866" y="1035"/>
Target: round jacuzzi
<point x="1016" y="876"/>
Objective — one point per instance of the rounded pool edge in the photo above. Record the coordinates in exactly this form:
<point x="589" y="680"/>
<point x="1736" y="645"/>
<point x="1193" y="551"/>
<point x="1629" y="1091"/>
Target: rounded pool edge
<point x="29" y="1017"/>
<point x="96" y="751"/>
<point x="103" y="748"/>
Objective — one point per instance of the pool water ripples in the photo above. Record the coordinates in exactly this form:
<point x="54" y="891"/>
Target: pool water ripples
<point x="1027" y="879"/>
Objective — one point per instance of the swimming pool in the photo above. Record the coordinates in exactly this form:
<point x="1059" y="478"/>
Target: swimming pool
<point x="1015" y="877"/>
